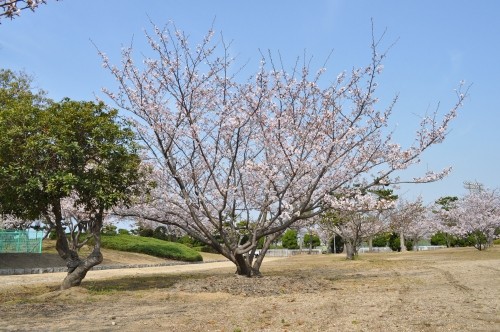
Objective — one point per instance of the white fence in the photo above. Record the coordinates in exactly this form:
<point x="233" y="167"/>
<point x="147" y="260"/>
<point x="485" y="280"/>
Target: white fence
<point x="387" y="249"/>
<point x="291" y="252"/>
<point x="374" y="249"/>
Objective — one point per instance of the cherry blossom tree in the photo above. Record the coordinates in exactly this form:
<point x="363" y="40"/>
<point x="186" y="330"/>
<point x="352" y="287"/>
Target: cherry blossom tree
<point x="269" y="150"/>
<point x="410" y="219"/>
<point x="443" y="223"/>
<point x="357" y="219"/>
<point x="422" y="223"/>
<point x="476" y="215"/>
<point x="13" y="8"/>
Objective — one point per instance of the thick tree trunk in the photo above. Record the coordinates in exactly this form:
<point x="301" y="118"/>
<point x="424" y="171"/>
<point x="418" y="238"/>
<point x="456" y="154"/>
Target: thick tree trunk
<point x="402" y="242"/>
<point x="447" y="238"/>
<point x="77" y="273"/>
<point x="243" y="268"/>
<point x="77" y="268"/>
<point x="349" y="250"/>
<point x="370" y="244"/>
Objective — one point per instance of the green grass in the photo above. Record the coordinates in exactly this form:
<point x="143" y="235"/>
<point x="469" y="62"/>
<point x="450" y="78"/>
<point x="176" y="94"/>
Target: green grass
<point x="150" y="246"/>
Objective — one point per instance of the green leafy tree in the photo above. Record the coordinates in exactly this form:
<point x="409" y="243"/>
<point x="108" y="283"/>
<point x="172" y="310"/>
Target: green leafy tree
<point x="56" y="157"/>
<point x="312" y="240"/>
<point x="289" y="239"/>
<point x="381" y="240"/>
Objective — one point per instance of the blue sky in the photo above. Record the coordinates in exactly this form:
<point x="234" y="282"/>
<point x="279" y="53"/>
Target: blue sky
<point x="439" y="43"/>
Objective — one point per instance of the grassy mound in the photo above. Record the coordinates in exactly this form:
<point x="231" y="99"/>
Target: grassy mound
<point x="150" y="246"/>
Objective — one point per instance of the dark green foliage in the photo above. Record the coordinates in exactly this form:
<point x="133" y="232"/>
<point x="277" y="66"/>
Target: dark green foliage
<point x="337" y="246"/>
<point x="478" y="239"/>
<point x="150" y="246"/>
<point x="49" y="150"/>
<point x="52" y="235"/>
<point x="123" y="231"/>
<point x="447" y="202"/>
<point x="444" y="239"/>
<point x="161" y="233"/>
<point x="189" y="241"/>
<point x="308" y="238"/>
<point x="109" y="230"/>
<point x="439" y="239"/>
<point x="381" y="240"/>
<point x="395" y="243"/>
<point x="146" y="232"/>
<point x="206" y="249"/>
<point x="289" y="239"/>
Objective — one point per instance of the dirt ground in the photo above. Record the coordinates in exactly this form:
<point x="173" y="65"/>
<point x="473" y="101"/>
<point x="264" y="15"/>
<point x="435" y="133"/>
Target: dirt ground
<point x="443" y="290"/>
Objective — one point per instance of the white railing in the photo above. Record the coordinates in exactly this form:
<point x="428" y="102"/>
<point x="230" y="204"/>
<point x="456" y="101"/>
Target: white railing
<point x="387" y="249"/>
<point x="291" y="252"/>
<point x="374" y="249"/>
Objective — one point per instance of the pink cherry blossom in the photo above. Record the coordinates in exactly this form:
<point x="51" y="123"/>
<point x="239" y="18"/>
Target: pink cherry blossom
<point x="266" y="152"/>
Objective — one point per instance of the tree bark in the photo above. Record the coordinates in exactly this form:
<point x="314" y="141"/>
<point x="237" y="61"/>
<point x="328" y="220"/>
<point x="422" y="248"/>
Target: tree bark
<point x="349" y="250"/>
<point x="370" y="244"/>
<point x="77" y="274"/>
<point x="402" y="242"/>
<point x="77" y="268"/>
<point x="242" y="266"/>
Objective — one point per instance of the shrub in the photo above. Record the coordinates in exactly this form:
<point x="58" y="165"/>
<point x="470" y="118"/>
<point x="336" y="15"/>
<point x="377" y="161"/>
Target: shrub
<point x="205" y="249"/>
<point x="189" y="241"/>
<point x="109" y="230"/>
<point x="150" y="246"/>
<point x="123" y="231"/>
<point x="146" y="232"/>
<point x="381" y="240"/>
<point x="439" y="239"/>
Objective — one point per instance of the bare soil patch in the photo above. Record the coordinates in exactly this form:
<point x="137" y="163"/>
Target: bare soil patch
<point x="445" y="290"/>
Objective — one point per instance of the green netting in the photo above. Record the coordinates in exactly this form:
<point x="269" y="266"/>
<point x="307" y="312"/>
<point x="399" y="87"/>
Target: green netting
<point x="20" y="241"/>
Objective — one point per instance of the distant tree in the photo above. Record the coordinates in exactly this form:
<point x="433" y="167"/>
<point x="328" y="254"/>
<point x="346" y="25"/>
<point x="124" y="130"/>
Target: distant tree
<point x="381" y="240"/>
<point x="65" y="163"/>
<point x="476" y="216"/>
<point x="289" y="239"/>
<point x="411" y="221"/>
<point x="442" y="239"/>
<point x="359" y="218"/>
<point x="444" y="223"/>
<point x="311" y="240"/>
<point x="13" y="8"/>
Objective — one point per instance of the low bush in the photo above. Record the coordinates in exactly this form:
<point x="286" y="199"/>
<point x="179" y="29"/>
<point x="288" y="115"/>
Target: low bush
<point x="150" y="246"/>
<point x="109" y="230"/>
<point x="205" y="249"/>
<point x="123" y="231"/>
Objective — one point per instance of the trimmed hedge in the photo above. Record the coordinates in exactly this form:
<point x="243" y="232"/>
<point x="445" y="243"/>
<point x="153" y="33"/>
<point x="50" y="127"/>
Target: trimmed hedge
<point x="150" y="246"/>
